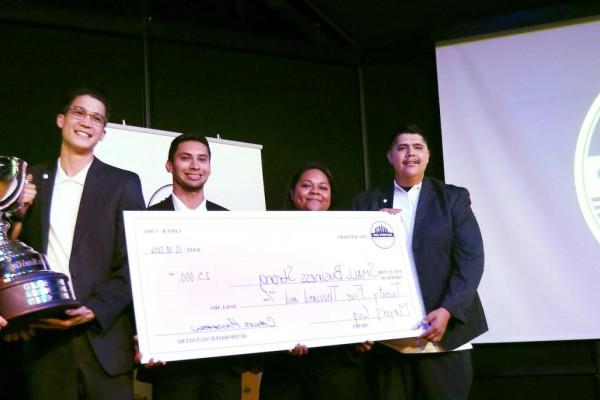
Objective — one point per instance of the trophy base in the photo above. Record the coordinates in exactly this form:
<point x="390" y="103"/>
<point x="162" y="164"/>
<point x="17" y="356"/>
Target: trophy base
<point x="32" y="296"/>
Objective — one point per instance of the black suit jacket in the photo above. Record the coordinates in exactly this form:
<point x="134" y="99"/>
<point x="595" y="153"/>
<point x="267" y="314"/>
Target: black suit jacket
<point x="448" y="253"/>
<point x="98" y="261"/>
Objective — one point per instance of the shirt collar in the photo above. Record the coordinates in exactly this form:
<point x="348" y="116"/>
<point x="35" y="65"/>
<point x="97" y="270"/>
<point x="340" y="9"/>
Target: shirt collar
<point x="415" y="188"/>
<point x="61" y="175"/>
<point x="180" y="205"/>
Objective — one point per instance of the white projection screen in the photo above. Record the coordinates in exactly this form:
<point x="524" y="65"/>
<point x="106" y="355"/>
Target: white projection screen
<point x="236" y="180"/>
<point x="520" y="130"/>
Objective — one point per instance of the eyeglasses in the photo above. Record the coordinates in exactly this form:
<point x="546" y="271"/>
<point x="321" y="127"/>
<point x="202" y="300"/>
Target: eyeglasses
<point x="79" y="113"/>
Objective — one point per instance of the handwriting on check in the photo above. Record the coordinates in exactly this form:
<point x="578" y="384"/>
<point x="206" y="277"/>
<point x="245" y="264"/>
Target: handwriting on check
<point x="173" y="249"/>
<point x="377" y="294"/>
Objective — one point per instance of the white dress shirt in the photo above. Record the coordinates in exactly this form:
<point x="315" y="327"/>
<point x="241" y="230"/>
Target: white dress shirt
<point x="407" y="203"/>
<point x="180" y="205"/>
<point x="64" y="208"/>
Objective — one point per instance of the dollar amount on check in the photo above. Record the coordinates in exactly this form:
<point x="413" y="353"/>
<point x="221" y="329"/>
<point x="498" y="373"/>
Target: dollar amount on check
<point x="224" y="283"/>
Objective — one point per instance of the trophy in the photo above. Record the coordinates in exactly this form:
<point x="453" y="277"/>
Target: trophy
<point x="28" y="288"/>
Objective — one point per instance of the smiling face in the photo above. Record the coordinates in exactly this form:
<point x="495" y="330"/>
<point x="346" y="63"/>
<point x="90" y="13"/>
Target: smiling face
<point x="409" y="157"/>
<point x="80" y="125"/>
<point x="190" y="166"/>
<point x="312" y="192"/>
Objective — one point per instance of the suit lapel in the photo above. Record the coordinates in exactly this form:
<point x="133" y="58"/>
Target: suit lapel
<point x="169" y="205"/>
<point x="386" y="200"/>
<point x="425" y="198"/>
<point x="210" y="206"/>
<point x="45" y="199"/>
<point x="91" y="196"/>
<point x="164" y="205"/>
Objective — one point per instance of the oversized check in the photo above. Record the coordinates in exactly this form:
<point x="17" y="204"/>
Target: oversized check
<point x="224" y="283"/>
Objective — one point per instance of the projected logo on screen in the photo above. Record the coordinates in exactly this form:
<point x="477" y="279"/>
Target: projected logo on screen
<point x="587" y="168"/>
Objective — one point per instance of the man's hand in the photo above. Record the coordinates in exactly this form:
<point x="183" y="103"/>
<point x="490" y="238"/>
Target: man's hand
<point x="392" y="211"/>
<point x="25" y="200"/>
<point x="364" y="346"/>
<point x="24" y="335"/>
<point x="77" y="316"/>
<point x="27" y="196"/>
<point x="438" y="321"/>
<point x="13" y="337"/>
<point x="138" y="356"/>
<point x="299" y="350"/>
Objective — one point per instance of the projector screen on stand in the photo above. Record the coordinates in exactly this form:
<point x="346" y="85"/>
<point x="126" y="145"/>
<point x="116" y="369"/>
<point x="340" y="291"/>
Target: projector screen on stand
<point x="520" y="130"/>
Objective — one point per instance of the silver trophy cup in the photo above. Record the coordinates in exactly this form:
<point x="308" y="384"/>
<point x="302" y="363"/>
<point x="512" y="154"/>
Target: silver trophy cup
<point x="28" y="288"/>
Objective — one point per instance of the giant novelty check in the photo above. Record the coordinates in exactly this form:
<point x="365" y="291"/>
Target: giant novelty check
<point x="224" y="283"/>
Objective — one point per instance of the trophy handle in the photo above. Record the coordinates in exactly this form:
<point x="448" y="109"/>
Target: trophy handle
<point x="13" y="172"/>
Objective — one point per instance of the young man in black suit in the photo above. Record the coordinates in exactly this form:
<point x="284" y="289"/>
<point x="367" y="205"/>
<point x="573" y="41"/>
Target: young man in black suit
<point x="76" y="220"/>
<point x="189" y="163"/>
<point x="213" y="378"/>
<point x="446" y="251"/>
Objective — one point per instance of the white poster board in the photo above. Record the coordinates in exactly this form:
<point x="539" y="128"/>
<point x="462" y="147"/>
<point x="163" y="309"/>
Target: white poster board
<point x="236" y="180"/>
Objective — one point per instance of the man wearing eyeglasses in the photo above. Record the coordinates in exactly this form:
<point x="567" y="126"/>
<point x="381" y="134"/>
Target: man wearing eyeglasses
<point x="77" y="221"/>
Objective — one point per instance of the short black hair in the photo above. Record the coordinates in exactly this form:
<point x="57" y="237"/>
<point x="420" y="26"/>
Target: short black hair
<point x="407" y="128"/>
<point x="187" y="137"/>
<point x="95" y="93"/>
<point x="288" y="203"/>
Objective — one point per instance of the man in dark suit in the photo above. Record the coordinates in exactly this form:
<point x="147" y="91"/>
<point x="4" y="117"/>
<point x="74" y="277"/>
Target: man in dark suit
<point x="213" y="378"/>
<point x="189" y="163"/>
<point x="446" y="250"/>
<point x="77" y="221"/>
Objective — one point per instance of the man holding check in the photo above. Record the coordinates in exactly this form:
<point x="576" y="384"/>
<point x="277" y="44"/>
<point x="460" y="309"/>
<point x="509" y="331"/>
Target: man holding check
<point x="214" y="378"/>
<point x="446" y="253"/>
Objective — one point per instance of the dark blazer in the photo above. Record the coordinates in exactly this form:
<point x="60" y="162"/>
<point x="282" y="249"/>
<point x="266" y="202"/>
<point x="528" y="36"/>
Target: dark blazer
<point x="448" y="253"/>
<point x="167" y="205"/>
<point x="98" y="261"/>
